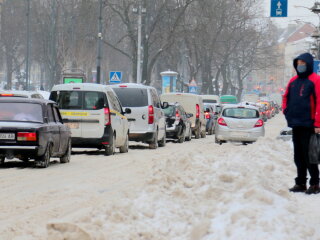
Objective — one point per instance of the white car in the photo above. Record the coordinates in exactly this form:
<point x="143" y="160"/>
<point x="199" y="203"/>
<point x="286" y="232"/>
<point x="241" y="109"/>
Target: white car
<point x="18" y="93"/>
<point x="147" y="120"/>
<point x="94" y="114"/>
<point x="239" y="123"/>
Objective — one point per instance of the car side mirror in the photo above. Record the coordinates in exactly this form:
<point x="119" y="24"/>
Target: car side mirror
<point x="127" y="110"/>
<point x="165" y="105"/>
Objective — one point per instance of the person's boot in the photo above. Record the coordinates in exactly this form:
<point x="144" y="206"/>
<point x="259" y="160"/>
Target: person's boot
<point x="298" y="188"/>
<point x="313" y="189"/>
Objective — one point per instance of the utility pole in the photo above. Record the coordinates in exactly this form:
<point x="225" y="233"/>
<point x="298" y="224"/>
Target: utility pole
<point x="28" y="45"/>
<point x="99" y="43"/>
<point x="139" y="43"/>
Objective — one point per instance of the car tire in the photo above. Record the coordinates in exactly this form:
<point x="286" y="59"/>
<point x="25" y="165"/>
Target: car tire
<point x="44" y="160"/>
<point x="203" y="134"/>
<point x="154" y="143"/>
<point x="163" y="141"/>
<point x="2" y="159"/>
<point x="182" y="137"/>
<point x="67" y="155"/>
<point x="217" y="141"/>
<point x="111" y="148"/>
<point x="197" y="132"/>
<point x="189" y="135"/>
<point x="125" y="147"/>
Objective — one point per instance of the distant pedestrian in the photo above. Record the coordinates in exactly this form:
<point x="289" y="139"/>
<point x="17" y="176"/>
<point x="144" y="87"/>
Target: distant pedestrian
<point x="301" y="107"/>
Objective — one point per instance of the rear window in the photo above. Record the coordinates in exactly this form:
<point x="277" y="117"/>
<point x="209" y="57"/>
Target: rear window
<point x="21" y="112"/>
<point x="240" y="113"/>
<point x="169" y="111"/>
<point x="132" y="97"/>
<point x="209" y="101"/>
<point x="79" y="100"/>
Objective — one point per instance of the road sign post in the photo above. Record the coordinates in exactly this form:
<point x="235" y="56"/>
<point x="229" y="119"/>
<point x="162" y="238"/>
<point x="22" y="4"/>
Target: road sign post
<point x="279" y="8"/>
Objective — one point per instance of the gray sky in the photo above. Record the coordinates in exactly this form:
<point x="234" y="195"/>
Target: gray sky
<point x="294" y="13"/>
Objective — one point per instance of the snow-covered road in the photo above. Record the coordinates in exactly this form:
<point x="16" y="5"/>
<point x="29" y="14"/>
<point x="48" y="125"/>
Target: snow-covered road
<point x="195" y="190"/>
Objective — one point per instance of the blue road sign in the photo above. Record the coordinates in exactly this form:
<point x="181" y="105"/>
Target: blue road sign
<point x="279" y="8"/>
<point x="115" y="77"/>
<point x="316" y="66"/>
<point x="193" y="89"/>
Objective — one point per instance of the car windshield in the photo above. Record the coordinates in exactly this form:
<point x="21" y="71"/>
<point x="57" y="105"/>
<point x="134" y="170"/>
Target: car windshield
<point x="21" y="112"/>
<point x="205" y="107"/>
<point x="132" y="97"/>
<point x="80" y="100"/>
<point x="209" y="101"/>
<point x="169" y="111"/>
<point x="242" y="113"/>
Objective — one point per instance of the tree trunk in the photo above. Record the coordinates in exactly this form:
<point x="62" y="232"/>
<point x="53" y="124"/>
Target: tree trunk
<point x="240" y="82"/>
<point x="216" y="82"/>
<point x="225" y="81"/>
<point x="9" y="71"/>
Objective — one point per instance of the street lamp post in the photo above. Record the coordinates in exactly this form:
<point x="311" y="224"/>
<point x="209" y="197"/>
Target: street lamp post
<point x="140" y="10"/>
<point x="28" y="45"/>
<point x="99" y="43"/>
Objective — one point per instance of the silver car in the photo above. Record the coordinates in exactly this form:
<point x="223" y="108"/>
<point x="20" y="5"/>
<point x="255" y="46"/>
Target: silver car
<point x="239" y="123"/>
<point x="147" y="120"/>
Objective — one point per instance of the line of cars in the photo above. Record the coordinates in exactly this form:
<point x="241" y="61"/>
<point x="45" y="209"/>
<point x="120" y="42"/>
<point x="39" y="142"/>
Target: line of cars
<point x="107" y="117"/>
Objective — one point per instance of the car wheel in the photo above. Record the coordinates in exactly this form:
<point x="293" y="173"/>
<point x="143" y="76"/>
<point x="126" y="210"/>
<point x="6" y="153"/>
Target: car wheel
<point x="189" y="135"/>
<point x="154" y="143"/>
<point x="182" y="137"/>
<point x="44" y="160"/>
<point x="67" y="155"/>
<point x="111" y="148"/>
<point x="197" y="132"/>
<point x="163" y="141"/>
<point x="217" y="141"/>
<point x="125" y="147"/>
<point x="203" y="134"/>
<point x="2" y="160"/>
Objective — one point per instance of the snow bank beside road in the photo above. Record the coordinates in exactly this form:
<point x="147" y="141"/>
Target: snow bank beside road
<point x="207" y="191"/>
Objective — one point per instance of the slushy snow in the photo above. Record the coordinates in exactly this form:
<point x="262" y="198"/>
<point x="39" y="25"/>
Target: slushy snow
<point x="190" y="191"/>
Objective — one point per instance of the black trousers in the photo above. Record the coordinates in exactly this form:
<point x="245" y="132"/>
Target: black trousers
<point x="301" y="138"/>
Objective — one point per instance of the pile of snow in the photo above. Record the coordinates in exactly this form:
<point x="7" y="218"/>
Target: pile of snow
<point x="217" y="192"/>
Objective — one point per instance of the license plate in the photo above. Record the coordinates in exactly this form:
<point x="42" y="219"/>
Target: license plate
<point x="7" y="136"/>
<point x="72" y="125"/>
<point x="239" y="134"/>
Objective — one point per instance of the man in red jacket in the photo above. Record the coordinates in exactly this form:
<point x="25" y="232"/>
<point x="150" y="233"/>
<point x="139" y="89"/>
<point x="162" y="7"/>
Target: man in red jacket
<point x="301" y="107"/>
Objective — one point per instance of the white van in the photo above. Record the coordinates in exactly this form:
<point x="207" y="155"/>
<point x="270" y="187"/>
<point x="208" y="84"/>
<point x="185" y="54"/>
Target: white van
<point x="191" y="103"/>
<point x="210" y="99"/>
<point x="94" y="115"/>
<point x="147" y="119"/>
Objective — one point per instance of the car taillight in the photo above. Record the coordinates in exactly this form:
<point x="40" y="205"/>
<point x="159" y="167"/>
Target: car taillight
<point x="27" y="136"/>
<point x="197" y="111"/>
<point x="222" y="122"/>
<point x="107" y="116"/>
<point x="259" y="123"/>
<point x="6" y="95"/>
<point x="151" y="114"/>
<point x="177" y="115"/>
<point x="207" y="115"/>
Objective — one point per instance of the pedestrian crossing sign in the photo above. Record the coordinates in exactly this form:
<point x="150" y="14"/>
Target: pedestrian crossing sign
<point x="115" y="77"/>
